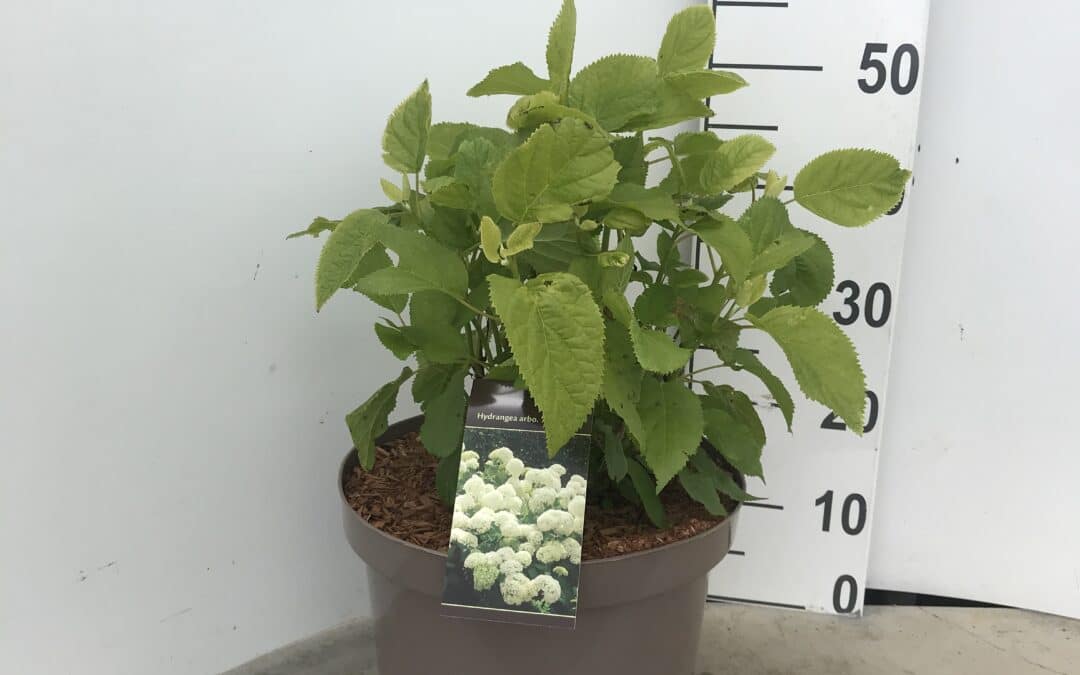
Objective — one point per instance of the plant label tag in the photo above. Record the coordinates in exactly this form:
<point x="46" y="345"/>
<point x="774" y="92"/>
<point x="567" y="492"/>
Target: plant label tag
<point x="519" y="514"/>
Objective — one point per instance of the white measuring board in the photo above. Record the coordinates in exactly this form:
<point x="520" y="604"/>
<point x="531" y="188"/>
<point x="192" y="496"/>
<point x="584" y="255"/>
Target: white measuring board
<point x="823" y="74"/>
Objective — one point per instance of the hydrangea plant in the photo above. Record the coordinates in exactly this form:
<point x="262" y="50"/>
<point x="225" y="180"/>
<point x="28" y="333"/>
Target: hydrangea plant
<point x="517" y="530"/>
<point x="515" y="251"/>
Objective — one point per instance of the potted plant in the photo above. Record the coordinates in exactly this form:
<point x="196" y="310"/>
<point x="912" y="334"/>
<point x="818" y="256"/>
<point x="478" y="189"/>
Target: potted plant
<point x="516" y="250"/>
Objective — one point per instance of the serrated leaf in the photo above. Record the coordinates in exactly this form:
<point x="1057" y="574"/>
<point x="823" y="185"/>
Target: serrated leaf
<point x="781" y="251"/>
<point x="536" y="109"/>
<point x="556" y="334"/>
<point x="674" y="425"/>
<point x="490" y="239"/>
<point x="774" y="184"/>
<point x="697" y="143"/>
<point x="630" y="154"/>
<point x="729" y="240"/>
<point x="652" y="203"/>
<point x="735" y="161"/>
<point x="764" y="222"/>
<point x="435" y="321"/>
<point x="672" y="107"/>
<point x="851" y="187"/>
<point x="615" y="90"/>
<point x="317" y="227"/>
<point x="343" y="251"/>
<point x="370" y="420"/>
<point x="614" y="454"/>
<point x="746" y="360"/>
<point x="647" y="491"/>
<point x="444" y="415"/>
<point x="521" y="239"/>
<point x="734" y="440"/>
<point x="706" y="83"/>
<point x="721" y="479"/>
<point x="405" y="139"/>
<point x="423" y="264"/>
<point x="374" y="260"/>
<point x="702" y="489"/>
<point x="516" y="78"/>
<point x="392" y="192"/>
<point x="443" y="138"/>
<point x="656" y="306"/>
<point x="656" y="352"/>
<point x="823" y="359"/>
<point x="557" y="167"/>
<point x="622" y="378"/>
<point x="808" y="279"/>
<point x="449" y="192"/>
<point x="688" y="41"/>
<point x="560" y="46"/>
<point x="394" y="340"/>
<point x="751" y="291"/>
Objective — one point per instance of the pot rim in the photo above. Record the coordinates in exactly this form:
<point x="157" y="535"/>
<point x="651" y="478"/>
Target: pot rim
<point x="396" y="430"/>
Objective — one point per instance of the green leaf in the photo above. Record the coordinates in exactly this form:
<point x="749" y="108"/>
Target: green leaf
<point x="781" y="251"/>
<point x="697" y="143"/>
<point x="423" y="264"/>
<point x="370" y="420"/>
<point x="444" y="137"/>
<point x="647" y="491"/>
<point x="764" y="222"/>
<point x="521" y="239"/>
<point x="446" y="477"/>
<point x="392" y="192"/>
<point x="560" y="46"/>
<point x="706" y="83"/>
<point x="405" y="139"/>
<point x="851" y="187"/>
<point x="622" y="378"/>
<point x="317" y="227"/>
<point x="444" y="415"/>
<point x="556" y="334"/>
<point x="729" y="240"/>
<point x="630" y="154"/>
<point x="394" y="340"/>
<point x="435" y="327"/>
<point x="343" y="251"/>
<point x="735" y="161"/>
<point x="476" y="161"/>
<point x="701" y="488"/>
<point x="652" y="203"/>
<point x="557" y="167"/>
<point x="656" y="306"/>
<point x="449" y="192"/>
<point x="631" y="221"/>
<point x="516" y="78"/>
<point x="656" y="352"/>
<point x="374" y="260"/>
<point x="774" y="184"/>
<point x="751" y="291"/>
<point x="614" y="454"/>
<point x="615" y="90"/>
<point x="672" y="107"/>
<point x="674" y="425"/>
<point x="720" y="478"/>
<point x="735" y="441"/>
<point x="823" y="359"/>
<point x="490" y="239"/>
<point x="808" y="279"/>
<point x="536" y="109"/>
<point x="744" y="359"/>
<point x="689" y="40"/>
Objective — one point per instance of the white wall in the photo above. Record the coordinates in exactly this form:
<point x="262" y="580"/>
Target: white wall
<point x="978" y="489"/>
<point x="170" y="407"/>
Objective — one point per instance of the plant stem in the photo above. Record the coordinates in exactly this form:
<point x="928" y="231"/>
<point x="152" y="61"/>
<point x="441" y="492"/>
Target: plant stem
<point x="690" y="376"/>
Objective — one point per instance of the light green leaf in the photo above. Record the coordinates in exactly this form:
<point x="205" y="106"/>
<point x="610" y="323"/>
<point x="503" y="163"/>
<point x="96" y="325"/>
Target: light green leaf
<point x="823" y="359"/>
<point x="536" y="109"/>
<point x="653" y="203"/>
<point x="444" y="415"/>
<point x="614" y="454"/>
<point x="720" y="478"/>
<point x="444" y="137"/>
<point x="423" y="264"/>
<point x="782" y="250"/>
<point x="490" y="239"/>
<point x="521" y="239"/>
<point x="343" y="251"/>
<point x="622" y="378"/>
<point x="656" y="306"/>
<point x="394" y="340"/>
<point x="735" y="441"/>
<point x="688" y="41"/>
<point x="632" y="221"/>
<point x="746" y="360"/>
<point x="476" y="161"/>
<point x="774" y="184"/>
<point x="317" y="227"/>
<point x="435" y="327"/>
<point x="697" y="143"/>
<point x="560" y="46"/>
<point x="735" y="161"/>
<point x="556" y="334"/>
<point x="646" y="489"/>
<point x="674" y="425"/>
<point x="701" y="488"/>
<point x="751" y="291"/>
<point x="656" y="352"/>
<point x="449" y="192"/>
<point x="374" y="260"/>
<point x="616" y="89"/>
<point x="370" y="420"/>
<point x="557" y="167"/>
<point x="706" y="83"/>
<point x="392" y="192"/>
<point x="729" y="240"/>
<point x="764" y="222"/>
<point x="808" y="279"/>
<point x="516" y="78"/>
<point x="630" y="154"/>
<point x="405" y="139"/>
<point x="672" y="107"/>
<point x="851" y="187"/>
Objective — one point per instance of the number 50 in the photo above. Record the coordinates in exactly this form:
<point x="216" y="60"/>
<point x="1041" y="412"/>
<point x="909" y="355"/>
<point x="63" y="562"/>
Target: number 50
<point x="894" y="75"/>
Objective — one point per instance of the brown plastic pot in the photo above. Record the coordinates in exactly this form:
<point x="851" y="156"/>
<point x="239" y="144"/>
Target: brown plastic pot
<point x="638" y="614"/>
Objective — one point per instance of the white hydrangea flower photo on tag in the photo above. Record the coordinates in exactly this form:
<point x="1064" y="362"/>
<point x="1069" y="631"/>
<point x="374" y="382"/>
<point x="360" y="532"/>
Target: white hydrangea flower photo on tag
<point x="519" y="515"/>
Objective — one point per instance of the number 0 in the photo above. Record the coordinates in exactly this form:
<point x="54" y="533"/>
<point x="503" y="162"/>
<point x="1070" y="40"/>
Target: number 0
<point x="845" y="606"/>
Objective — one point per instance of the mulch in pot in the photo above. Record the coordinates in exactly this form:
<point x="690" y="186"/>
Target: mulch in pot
<point x="398" y="497"/>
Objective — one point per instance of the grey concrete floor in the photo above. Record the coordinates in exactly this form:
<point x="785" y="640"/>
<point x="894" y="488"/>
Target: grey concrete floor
<point x="757" y="641"/>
